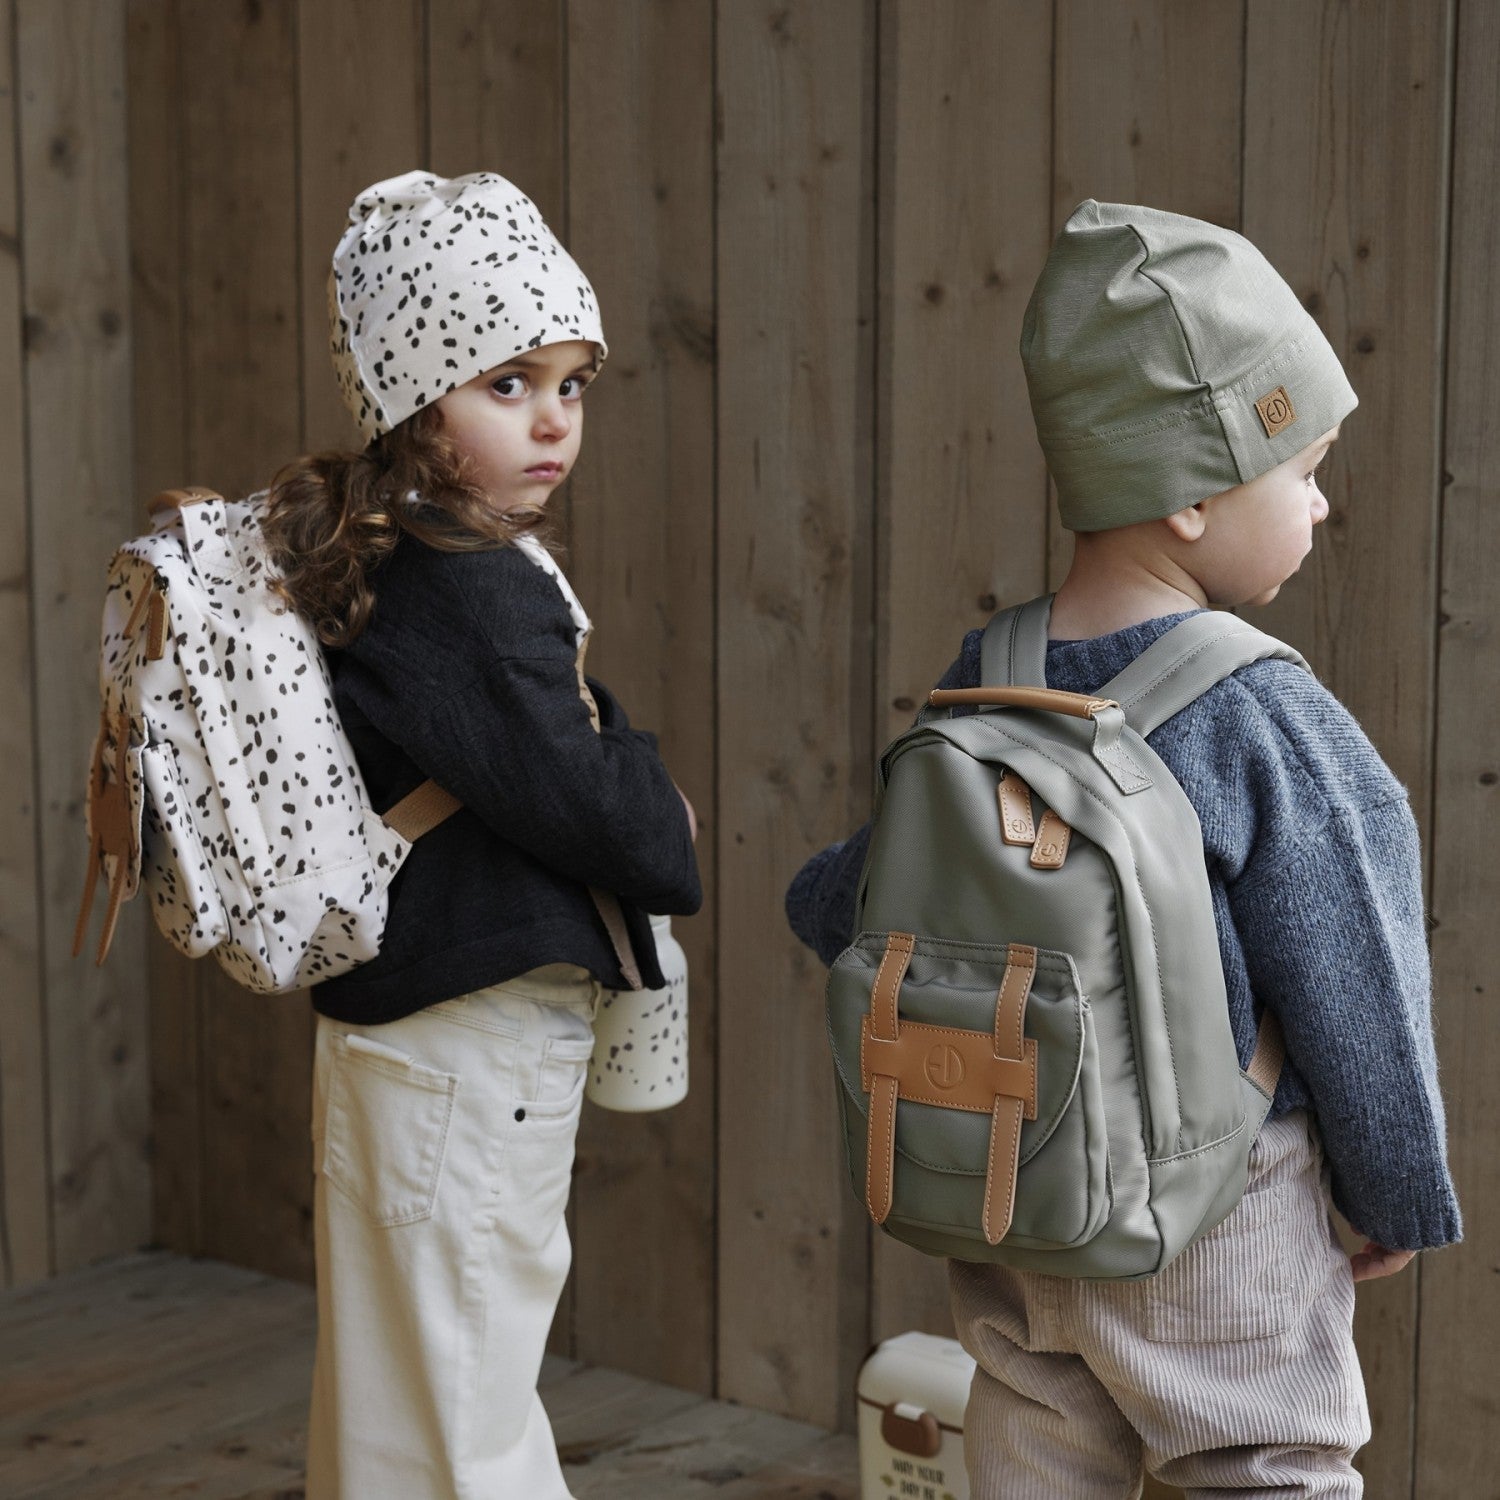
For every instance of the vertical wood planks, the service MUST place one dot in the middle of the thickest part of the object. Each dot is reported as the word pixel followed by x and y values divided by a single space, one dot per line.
pixel 344 57
pixel 1459 1329
pixel 74 250
pixel 1345 181
pixel 348 57
pixel 1345 193
pixel 640 215
pixel 244 422
pixel 153 61
pixel 496 90
pixel 828 526
pixel 497 101
pixel 961 524
pixel 794 173
pixel 25 1216
pixel 1148 106
pixel 1147 111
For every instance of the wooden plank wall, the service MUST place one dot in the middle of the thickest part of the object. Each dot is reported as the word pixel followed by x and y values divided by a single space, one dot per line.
pixel 74 1057
pixel 813 226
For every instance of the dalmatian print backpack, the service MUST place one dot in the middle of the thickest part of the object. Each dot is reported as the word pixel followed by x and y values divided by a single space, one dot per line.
pixel 222 779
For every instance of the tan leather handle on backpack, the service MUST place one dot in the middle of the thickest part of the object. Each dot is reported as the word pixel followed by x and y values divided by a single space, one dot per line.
pixel 1079 705
pixel 192 494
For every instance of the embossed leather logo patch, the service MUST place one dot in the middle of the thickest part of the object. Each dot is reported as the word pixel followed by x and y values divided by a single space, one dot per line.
pixel 944 1067
pixel 1276 411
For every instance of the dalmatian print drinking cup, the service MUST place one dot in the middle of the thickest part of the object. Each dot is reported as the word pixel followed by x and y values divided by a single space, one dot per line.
pixel 640 1057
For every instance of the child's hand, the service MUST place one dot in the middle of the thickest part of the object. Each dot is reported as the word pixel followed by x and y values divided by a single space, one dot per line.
pixel 692 816
pixel 1375 1260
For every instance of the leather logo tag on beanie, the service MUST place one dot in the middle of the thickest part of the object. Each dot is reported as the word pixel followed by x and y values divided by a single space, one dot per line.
pixel 1276 411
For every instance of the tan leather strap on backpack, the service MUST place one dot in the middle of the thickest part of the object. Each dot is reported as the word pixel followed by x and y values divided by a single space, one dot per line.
pixel 112 834
pixel 421 810
pixel 991 1073
pixel 606 903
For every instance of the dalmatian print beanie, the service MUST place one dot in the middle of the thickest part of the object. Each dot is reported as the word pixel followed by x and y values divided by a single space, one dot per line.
pixel 437 280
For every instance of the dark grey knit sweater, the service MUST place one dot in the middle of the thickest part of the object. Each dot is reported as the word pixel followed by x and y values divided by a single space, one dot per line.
pixel 1314 866
pixel 467 673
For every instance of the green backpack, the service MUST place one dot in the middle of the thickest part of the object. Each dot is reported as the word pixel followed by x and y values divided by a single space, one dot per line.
pixel 1032 1042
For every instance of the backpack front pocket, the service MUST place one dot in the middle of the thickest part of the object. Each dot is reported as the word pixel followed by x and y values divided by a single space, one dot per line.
pixel 941 1175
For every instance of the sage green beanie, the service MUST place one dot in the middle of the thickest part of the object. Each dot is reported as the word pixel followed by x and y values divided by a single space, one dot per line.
pixel 1167 361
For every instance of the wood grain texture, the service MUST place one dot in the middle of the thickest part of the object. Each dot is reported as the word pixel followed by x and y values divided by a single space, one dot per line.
pixel 789 511
pixel 25 1212
pixel 342 146
pixel 497 101
pixel 962 519
pixel 348 55
pixel 153 60
pixel 244 422
pixel 640 216
pixel 1148 110
pixel 75 253
pixel 1345 182
pixel 1460 1316
pixel 497 81
pixel 1345 192
pixel 1148 106
pixel 218 1409
pixel 795 165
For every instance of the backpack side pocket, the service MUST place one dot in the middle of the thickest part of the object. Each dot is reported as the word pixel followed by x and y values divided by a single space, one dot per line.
pixel 184 896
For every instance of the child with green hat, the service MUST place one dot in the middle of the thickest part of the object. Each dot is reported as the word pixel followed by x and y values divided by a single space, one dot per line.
pixel 1184 400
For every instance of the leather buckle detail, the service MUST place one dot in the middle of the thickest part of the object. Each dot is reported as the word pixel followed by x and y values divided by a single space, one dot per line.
pixel 987 1072
pixel 946 1065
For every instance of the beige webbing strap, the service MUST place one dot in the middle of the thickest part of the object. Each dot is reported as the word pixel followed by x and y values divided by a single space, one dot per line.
pixel 421 810
pixel 1270 1052
pixel 1007 1111
pixel 606 903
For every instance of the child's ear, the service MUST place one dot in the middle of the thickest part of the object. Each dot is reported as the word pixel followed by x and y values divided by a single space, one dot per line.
pixel 1188 524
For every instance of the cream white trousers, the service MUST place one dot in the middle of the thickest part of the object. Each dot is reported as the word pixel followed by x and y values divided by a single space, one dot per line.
pixel 1230 1374
pixel 443 1147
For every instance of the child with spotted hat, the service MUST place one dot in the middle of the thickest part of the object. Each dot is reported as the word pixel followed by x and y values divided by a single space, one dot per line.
pixel 449 1070
pixel 1185 401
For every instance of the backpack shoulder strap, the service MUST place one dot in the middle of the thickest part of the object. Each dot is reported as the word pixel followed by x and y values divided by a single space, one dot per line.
pixel 1188 660
pixel 1014 649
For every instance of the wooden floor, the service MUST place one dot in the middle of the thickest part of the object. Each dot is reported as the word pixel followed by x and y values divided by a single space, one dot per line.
pixel 157 1376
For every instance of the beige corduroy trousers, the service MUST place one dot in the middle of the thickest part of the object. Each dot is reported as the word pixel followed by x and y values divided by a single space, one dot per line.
pixel 443 1144
pixel 1232 1373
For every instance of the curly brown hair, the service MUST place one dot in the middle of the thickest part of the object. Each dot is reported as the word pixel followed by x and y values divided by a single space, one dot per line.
pixel 332 518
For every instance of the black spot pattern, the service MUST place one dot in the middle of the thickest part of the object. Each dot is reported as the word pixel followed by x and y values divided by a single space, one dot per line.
pixel 258 843
pixel 437 280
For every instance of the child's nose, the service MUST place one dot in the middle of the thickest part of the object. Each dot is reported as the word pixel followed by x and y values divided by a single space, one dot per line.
pixel 1319 506
pixel 551 419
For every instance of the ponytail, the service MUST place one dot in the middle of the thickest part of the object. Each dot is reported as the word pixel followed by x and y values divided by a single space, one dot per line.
pixel 332 518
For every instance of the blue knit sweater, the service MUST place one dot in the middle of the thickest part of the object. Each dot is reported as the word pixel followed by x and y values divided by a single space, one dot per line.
pixel 1314 865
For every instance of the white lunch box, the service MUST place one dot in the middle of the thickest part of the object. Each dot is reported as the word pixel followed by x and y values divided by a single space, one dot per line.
pixel 912 1393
